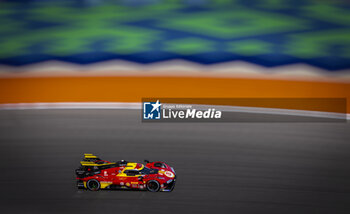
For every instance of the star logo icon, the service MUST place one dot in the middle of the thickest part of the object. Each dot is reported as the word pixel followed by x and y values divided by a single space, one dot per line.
pixel 152 110
pixel 156 106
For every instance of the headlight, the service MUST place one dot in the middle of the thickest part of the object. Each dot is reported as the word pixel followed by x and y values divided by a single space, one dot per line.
pixel 169 181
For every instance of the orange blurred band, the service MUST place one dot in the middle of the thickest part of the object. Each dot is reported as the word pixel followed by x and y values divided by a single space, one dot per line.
pixel 133 89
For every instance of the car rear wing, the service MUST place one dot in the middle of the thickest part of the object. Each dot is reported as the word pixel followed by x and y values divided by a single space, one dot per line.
pixel 93 160
pixel 90 157
pixel 89 160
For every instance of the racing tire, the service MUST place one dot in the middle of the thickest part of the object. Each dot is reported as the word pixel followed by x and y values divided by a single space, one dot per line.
pixel 93 185
pixel 153 186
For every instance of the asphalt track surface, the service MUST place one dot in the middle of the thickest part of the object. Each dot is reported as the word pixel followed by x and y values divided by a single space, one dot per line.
pixel 265 167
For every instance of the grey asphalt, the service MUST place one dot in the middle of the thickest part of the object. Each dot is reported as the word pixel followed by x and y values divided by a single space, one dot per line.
pixel 265 167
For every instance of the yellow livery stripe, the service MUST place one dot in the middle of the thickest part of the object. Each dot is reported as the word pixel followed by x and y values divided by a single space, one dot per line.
pixel 88 163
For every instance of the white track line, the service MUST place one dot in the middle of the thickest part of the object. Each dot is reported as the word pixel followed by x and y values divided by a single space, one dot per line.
pixel 70 105
pixel 125 105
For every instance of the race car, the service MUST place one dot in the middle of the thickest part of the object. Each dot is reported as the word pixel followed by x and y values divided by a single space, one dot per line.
pixel 95 174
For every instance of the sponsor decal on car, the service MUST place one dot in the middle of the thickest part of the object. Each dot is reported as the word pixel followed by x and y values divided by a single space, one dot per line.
pixel 169 174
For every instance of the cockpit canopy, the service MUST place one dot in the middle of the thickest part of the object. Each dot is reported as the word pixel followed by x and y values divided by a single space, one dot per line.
pixel 143 171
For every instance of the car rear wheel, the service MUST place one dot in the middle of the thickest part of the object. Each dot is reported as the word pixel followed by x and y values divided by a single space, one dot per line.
pixel 93 185
pixel 153 186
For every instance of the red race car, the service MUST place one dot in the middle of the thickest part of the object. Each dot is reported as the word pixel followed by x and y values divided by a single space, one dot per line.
pixel 95 174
